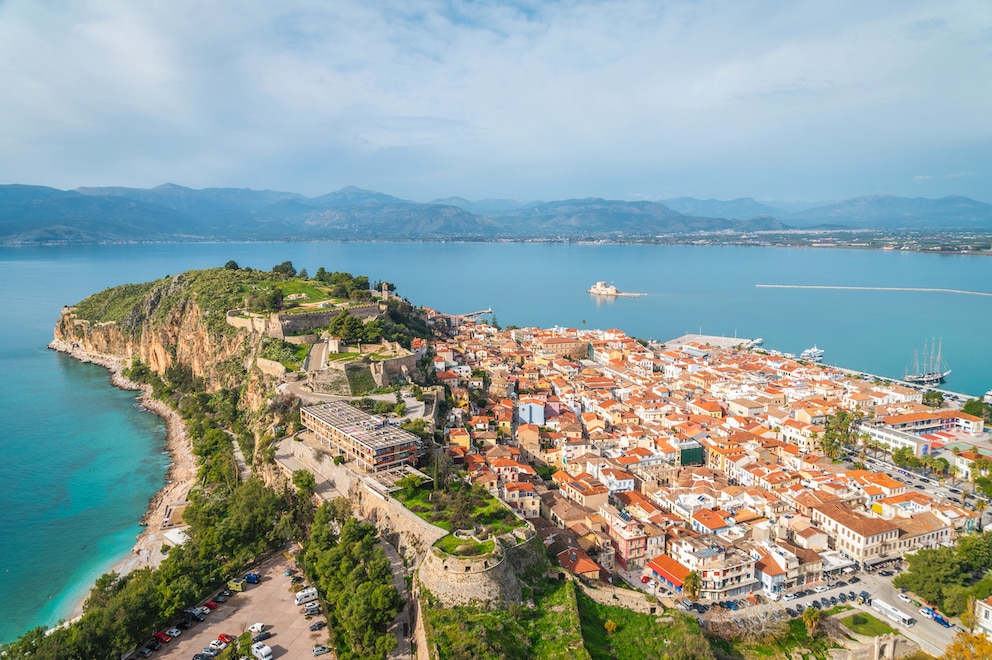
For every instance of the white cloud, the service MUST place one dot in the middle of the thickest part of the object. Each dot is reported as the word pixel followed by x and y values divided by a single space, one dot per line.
pixel 425 99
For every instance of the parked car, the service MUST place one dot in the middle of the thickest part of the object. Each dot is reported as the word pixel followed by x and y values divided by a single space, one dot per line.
pixel 790 596
pixel 842 597
pixel 942 621
pixel 203 656
pixel 218 644
pixel 904 598
pixel 253 578
pixel 173 632
pixel 210 605
pixel 819 588
pixel 154 645
pixel 165 638
pixel 816 604
pixel 186 624
pixel 213 653
pixel 145 652
pixel 220 598
pixel 256 627
pixel 226 593
pixel 824 602
pixel 320 650
pixel 853 579
pixel 927 612
pixel 317 625
pixel 851 596
pixel 224 637
pixel 261 637
pixel 886 573
pixel 833 600
pixel 645 579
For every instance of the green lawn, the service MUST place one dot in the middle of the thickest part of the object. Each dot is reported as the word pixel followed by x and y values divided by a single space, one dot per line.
pixel 465 547
pixel 865 624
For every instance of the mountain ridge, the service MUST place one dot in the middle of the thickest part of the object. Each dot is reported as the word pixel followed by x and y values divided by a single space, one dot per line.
pixel 171 212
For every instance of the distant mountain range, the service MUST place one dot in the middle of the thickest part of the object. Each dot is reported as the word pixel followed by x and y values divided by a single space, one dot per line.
pixel 38 215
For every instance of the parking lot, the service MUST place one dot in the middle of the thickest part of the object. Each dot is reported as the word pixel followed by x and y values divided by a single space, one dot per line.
pixel 269 602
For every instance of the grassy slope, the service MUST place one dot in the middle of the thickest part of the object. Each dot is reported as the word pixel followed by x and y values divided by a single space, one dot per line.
pixel 640 636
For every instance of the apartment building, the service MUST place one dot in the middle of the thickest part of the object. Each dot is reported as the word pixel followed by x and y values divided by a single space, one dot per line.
pixel 369 441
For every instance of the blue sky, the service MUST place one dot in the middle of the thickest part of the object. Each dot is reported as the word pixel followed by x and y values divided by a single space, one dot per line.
pixel 805 100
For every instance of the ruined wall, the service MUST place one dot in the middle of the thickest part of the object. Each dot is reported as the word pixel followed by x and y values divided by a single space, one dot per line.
pixel 385 372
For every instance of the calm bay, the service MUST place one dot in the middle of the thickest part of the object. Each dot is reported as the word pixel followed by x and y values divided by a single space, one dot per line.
pixel 81 461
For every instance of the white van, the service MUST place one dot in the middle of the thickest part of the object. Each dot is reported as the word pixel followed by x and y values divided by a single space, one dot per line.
pixel 306 596
pixel 261 651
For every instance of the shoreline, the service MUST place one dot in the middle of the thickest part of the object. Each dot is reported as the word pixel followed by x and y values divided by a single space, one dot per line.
pixel 179 478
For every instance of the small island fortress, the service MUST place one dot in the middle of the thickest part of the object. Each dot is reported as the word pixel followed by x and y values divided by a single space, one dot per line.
pixel 604 289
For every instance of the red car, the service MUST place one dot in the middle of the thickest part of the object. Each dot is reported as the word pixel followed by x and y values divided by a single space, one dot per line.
pixel 162 637
pixel 210 605
pixel 644 579
pixel 224 637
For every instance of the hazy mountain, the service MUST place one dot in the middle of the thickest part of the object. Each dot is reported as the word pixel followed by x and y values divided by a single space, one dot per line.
pixel 890 212
pixel 743 208
pixel 490 207
pixel 352 196
pixel 36 214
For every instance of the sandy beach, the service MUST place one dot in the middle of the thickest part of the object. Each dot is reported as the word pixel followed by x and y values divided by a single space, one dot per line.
pixel 180 477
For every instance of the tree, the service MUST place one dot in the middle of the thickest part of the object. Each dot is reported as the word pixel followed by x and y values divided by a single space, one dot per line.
pixel 303 274
pixel 811 619
pixel 231 265
pixel 285 268
pixel 692 585
pixel 967 646
pixel 305 482
pixel 610 626
pixel 931 572
pixel 933 398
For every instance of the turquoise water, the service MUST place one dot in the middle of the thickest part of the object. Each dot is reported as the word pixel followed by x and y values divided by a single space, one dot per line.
pixel 81 462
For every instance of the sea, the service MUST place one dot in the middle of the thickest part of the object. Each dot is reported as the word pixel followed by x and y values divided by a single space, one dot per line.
pixel 81 459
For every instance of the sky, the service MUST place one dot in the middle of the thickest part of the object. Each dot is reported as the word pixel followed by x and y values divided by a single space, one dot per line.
pixel 781 101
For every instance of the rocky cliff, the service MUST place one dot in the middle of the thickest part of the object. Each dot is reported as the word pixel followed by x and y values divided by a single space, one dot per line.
pixel 173 324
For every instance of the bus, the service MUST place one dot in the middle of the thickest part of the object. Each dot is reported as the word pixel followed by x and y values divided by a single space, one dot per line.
pixel 892 612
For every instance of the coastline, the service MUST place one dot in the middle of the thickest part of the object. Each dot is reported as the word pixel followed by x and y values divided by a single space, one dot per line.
pixel 179 478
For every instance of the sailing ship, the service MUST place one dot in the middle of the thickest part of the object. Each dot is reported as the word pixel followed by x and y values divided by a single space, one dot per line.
pixel 815 354
pixel 932 371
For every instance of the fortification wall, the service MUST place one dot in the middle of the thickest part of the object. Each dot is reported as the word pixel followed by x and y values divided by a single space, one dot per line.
pixel 301 339
pixel 284 325
pixel 257 324
pixel 414 533
pixel 486 581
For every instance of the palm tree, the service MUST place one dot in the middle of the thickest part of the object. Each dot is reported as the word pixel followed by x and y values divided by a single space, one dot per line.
pixel 811 618
pixel 692 585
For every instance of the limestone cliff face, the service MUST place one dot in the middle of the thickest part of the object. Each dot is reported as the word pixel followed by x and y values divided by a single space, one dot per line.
pixel 161 341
